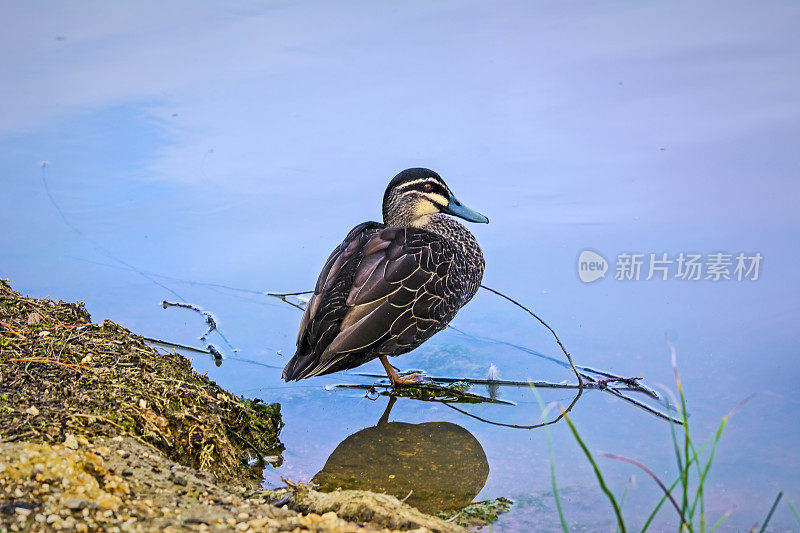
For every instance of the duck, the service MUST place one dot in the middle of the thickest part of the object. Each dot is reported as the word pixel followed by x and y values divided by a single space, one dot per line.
pixel 390 286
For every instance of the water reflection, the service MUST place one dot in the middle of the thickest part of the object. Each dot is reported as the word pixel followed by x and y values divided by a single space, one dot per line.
pixel 437 466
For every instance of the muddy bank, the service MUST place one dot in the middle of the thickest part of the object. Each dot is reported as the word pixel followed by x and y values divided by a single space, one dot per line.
pixel 99 431
pixel 63 374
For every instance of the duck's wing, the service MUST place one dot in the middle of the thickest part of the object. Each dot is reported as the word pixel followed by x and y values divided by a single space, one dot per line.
pixel 383 291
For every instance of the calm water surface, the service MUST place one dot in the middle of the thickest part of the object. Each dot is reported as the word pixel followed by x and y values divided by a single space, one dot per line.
pixel 211 153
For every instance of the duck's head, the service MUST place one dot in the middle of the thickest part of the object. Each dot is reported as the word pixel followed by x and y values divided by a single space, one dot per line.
pixel 416 193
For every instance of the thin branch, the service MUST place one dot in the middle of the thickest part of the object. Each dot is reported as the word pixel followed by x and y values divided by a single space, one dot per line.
pixel 175 345
pixel 284 299
pixel 641 405
pixel 283 294
pixel 447 394
pixel 210 321
pixel 600 384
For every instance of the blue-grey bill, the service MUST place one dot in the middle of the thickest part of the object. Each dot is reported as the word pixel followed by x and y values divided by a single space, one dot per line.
pixel 457 209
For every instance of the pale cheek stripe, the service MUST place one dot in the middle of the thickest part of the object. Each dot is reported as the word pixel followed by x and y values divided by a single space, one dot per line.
pixel 431 197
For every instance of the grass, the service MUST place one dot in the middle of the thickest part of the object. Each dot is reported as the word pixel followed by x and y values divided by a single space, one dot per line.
pixel 686 494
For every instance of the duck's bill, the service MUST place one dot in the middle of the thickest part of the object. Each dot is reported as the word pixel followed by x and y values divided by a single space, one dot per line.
pixel 457 209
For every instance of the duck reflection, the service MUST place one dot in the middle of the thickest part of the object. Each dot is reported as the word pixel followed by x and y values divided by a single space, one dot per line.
pixel 437 466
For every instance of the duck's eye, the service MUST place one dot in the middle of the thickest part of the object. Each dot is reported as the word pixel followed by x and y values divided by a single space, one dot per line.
pixel 427 187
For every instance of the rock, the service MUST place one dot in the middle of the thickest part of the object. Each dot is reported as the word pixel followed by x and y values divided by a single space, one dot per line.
pixel 32 410
pixel 103 451
pixel 71 442
pixel 178 479
pixel 73 504
pixel 107 501
pixel 34 319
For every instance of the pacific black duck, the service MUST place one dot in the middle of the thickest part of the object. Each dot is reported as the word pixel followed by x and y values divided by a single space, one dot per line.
pixel 390 287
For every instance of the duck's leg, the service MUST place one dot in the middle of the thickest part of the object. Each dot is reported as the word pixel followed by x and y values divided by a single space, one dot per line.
pixel 394 377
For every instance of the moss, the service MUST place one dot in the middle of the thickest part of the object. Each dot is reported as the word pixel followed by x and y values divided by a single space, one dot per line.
pixel 479 513
pixel 61 374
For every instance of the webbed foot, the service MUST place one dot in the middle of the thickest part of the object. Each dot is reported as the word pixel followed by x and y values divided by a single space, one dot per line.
pixel 408 381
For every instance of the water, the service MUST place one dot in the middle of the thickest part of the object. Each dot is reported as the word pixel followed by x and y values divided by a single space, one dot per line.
pixel 236 145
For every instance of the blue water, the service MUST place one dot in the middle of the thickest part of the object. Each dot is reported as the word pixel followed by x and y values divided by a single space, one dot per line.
pixel 147 152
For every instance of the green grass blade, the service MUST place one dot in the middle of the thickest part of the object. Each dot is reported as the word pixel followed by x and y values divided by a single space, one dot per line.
pixel 552 462
pixel 695 459
pixel 717 436
pixel 720 521
pixel 624 493
pixel 704 473
pixel 686 442
pixel 597 471
pixel 674 409
pixel 794 511
pixel 684 461
pixel 771 511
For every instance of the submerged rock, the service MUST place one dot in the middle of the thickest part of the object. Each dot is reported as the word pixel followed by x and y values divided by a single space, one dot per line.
pixel 434 466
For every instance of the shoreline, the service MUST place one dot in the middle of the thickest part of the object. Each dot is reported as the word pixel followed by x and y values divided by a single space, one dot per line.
pixel 99 431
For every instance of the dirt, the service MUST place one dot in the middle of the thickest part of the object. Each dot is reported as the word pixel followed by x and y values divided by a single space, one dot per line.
pixel 101 432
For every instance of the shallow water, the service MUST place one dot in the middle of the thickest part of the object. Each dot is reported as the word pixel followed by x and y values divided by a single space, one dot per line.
pixel 210 154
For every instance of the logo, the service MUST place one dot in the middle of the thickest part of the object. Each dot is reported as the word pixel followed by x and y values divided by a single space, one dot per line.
pixel 591 266
pixel 663 266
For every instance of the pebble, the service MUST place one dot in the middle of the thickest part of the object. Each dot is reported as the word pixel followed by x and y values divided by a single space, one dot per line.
pixel 103 451
pixel 106 501
pixel 32 410
pixel 178 479
pixel 76 504
pixel 71 442
pixel 34 319
pixel 53 518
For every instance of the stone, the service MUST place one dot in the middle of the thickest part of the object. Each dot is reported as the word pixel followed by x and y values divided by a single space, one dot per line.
pixel 74 504
pixel 71 442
